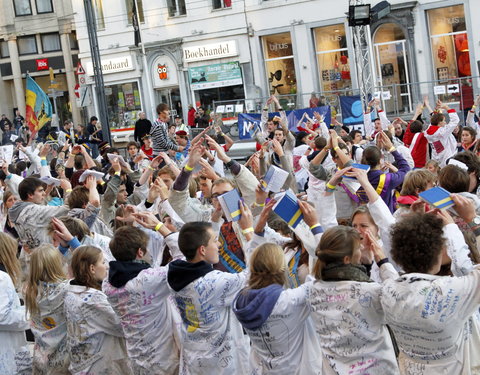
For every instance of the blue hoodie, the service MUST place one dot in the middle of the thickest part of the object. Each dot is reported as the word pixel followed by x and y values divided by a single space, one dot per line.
pixel 254 306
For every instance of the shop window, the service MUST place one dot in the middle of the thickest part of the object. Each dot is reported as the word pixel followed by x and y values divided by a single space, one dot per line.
pixel 22 7
pixel 98 10
pixel 280 64
pixel 220 4
pixel 449 42
pixel 176 8
pixel 332 58
pixel 123 104
pixel 50 42
pixel 27 45
pixel 4 52
pixel 44 6
pixel 129 5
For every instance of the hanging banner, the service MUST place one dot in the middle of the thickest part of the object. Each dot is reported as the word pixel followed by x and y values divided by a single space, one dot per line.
pixel 352 111
pixel 249 123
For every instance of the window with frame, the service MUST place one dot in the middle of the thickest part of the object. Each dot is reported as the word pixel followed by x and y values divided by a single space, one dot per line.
pixel 176 8
pixel 22 7
pixel 27 45
pixel 50 42
pixel 44 6
pixel 449 42
pixel 98 10
pixel 73 40
pixel 221 4
pixel 332 58
pixel 280 63
pixel 4 52
pixel 129 4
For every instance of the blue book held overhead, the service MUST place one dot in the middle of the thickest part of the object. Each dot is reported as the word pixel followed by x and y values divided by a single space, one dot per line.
pixel 288 209
pixel 365 167
pixel 230 202
pixel 437 197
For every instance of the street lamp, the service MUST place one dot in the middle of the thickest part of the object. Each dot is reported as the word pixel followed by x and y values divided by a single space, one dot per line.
pixel 359 15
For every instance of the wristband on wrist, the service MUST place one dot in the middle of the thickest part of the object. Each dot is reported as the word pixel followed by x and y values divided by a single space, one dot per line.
pixel 255 204
pixel 247 230
pixel 117 173
pixel 474 106
pixel 68 191
pixel 330 186
pixel 392 149
pixel 314 226
pixel 43 158
pixel 188 168
pixel 382 261
pixel 151 168
pixel 336 148
pixel 158 226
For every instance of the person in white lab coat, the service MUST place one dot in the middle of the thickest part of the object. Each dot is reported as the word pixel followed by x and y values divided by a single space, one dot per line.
pixel 346 308
pixel 14 354
pixel 431 316
pixel 44 294
pixel 277 320
pixel 212 340
pixel 95 338
pixel 139 294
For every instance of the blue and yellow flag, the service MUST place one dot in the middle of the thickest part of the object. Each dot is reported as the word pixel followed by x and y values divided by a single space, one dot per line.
pixel 38 106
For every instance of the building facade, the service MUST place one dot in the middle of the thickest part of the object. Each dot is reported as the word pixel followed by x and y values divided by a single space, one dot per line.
pixel 198 52
pixel 36 35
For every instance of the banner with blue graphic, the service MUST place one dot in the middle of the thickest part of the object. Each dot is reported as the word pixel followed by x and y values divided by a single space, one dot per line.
pixel 352 111
pixel 249 123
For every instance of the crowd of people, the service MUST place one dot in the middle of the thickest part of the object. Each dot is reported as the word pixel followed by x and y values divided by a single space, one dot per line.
pixel 132 264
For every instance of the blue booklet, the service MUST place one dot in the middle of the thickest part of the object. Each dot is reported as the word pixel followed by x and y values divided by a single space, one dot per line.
pixel 437 197
pixel 230 203
pixel 288 209
pixel 274 179
pixel 365 167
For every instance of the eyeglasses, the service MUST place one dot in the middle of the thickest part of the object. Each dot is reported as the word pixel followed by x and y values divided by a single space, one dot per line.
pixel 216 195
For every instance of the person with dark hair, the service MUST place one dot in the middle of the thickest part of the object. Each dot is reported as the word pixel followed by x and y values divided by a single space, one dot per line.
pixel 210 333
pixel 432 317
pixel 91 319
pixel 439 134
pixel 453 179
pixel 379 124
pixel 159 132
pixel 66 134
pixel 472 162
pixel 3 121
pixel 415 140
pixel 30 216
pixel 469 140
pixel 202 120
pixel 148 327
pixel 143 127
pixel 357 149
pixel 384 183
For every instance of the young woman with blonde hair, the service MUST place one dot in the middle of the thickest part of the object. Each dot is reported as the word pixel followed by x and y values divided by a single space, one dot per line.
pixel 13 321
pixel 95 337
pixel 277 319
pixel 44 294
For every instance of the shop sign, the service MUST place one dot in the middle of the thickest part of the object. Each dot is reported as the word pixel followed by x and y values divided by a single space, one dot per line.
pixel 210 51
pixel 164 72
pixel 42 64
pixel 215 75
pixel 114 65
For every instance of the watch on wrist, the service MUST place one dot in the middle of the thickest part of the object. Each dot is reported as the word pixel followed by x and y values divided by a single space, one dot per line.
pixel 475 225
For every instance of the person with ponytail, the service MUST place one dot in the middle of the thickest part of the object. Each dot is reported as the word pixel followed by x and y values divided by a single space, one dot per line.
pixel 95 337
pixel 277 319
pixel 44 293
pixel 14 354
pixel 345 304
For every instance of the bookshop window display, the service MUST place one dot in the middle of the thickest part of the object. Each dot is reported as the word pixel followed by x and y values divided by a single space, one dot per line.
pixel 280 63
pixel 449 41
pixel 123 104
pixel 332 58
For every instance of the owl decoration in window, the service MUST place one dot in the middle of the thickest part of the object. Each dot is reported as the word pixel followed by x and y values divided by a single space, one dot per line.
pixel 162 71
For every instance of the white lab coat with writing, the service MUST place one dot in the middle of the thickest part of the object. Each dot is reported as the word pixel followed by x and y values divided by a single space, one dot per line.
pixel 95 337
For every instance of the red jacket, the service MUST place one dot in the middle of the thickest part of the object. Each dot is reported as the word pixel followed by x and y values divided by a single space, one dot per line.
pixel 420 149
pixel 191 116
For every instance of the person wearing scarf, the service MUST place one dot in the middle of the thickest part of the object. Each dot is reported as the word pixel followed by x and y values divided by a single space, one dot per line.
pixel 346 307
